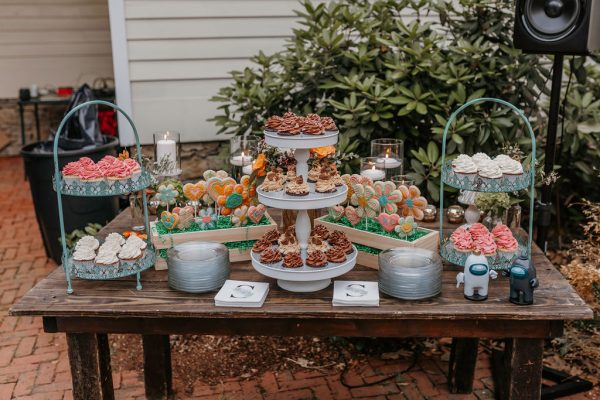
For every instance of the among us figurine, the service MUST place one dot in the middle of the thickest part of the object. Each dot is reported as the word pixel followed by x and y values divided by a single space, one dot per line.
pixel 476 277
pixel 522 281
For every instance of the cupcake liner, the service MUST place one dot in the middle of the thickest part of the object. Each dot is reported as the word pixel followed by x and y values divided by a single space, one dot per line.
pixel 470 178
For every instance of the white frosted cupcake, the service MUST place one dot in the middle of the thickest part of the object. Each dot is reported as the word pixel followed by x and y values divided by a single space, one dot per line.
pixel 83 258
pixel 465 168
pixel 136 241
pixel 110 247
pixel 89 242
pixel 500 158
pixel 116 238
pixel 511 169
pixel 461 158
pixel 480 158
pixel 108 262
pixel 129 255
pixel 490 170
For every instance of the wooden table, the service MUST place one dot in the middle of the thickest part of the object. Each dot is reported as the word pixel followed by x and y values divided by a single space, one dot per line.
pixel 101 307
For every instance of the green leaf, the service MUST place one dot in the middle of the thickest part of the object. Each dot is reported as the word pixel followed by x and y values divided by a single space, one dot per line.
pixel 432 152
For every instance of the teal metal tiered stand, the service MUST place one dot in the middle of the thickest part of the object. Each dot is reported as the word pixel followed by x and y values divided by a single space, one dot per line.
pixel 505 184
pixel 95 189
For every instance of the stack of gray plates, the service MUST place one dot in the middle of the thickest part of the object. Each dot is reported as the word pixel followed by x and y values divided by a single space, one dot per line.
pixel 198 267
pixel 410 273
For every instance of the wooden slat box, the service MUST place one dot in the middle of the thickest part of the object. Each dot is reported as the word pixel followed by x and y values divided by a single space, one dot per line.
pixel 381 242
pixel 253 232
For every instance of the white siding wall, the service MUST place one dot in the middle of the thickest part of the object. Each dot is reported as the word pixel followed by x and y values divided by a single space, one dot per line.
pixel 49 42
pixel 180 53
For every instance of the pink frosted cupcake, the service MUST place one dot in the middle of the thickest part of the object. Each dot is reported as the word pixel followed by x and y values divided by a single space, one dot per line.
pixel 478 230
pixel 134 168
pixel 118 172
pixel 486 244
pixel 462 240
pixel 90 173
pixel 70 172
pixel 506 242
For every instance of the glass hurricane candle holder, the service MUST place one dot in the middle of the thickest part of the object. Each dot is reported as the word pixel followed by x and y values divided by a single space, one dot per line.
pixel 406 180
pixel 242 153
pixel 167 153
pixel 389 154
pixel 371 169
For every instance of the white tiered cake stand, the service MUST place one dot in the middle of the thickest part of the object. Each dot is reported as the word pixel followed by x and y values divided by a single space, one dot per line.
pixel 304 279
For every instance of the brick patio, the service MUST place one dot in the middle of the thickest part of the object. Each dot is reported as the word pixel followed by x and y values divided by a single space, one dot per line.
pixel 34 365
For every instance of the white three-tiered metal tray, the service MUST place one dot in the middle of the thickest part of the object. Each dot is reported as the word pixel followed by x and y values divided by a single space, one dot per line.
pixel 304 279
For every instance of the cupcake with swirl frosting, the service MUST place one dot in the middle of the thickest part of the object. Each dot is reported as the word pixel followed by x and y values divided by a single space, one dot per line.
pixel 293 260
pixel 316 259
pixel 465 168
pixel 489 170
pixel 511 169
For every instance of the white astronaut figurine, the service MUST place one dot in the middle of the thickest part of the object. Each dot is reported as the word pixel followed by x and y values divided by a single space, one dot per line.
pixel 476 277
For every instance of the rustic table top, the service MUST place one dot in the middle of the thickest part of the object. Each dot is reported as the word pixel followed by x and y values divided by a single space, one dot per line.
pixel 555 299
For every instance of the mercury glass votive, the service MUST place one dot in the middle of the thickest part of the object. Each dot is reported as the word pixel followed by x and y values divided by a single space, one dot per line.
pixel 455 214
pixel 371 169
pixel 429 213
pixel 389 154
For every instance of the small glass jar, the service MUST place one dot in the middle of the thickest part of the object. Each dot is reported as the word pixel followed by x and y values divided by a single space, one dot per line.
pixel 167 153
pixel 242 152
pixel 371 169
pixel 389 154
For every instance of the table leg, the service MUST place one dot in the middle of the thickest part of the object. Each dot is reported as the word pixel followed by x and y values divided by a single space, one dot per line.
pixel 37 121
pixel 157 366
pixel 89 356
pixel 518 371
pixel 461 368
pixel 22 120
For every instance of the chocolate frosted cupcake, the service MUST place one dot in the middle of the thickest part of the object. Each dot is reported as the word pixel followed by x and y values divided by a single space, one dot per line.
pixel 271 236
pixel 313 127
pixel 293 260
pixel 270 256
pixel 316 259
pixel 344 244
pixel 336 255
pixel 316 243
pixel 329 124
pixel 273 123
pixel 289 127
pixel 335 235
pixel 261 245
pixel 321 231
pixel 297 187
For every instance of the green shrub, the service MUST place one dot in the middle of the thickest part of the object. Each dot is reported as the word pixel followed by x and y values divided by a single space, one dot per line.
pixel 382 74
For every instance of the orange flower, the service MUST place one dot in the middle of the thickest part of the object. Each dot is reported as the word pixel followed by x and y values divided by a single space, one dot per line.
pixel 259 165
pixel 123 155
pixel 322 152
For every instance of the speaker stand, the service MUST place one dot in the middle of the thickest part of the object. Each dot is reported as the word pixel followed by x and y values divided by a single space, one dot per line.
pixel 545 205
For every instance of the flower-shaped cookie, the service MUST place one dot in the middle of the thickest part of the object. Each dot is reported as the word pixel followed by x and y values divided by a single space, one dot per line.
pixel 249 187
pixel 387 196
pixel 365 200
pixel 406 226
pixel 207 219
pixel 232 198
pixel 351 180
pixel 412 202
pixel 166 195
pixel 240 216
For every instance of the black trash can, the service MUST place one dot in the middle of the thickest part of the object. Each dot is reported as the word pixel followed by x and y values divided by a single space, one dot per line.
pixel 78 211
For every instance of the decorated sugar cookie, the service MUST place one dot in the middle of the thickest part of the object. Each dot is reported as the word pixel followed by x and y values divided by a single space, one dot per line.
pixel 207 219
pixel 387 195
pixel 166 195
pixel 388 221
pixel 169 220
pixel 194 191
pixel 233 197
pixel 336 212
pixel 240 216
pixel 352 215
pixel 216 186
pixel 256 213
pixel 365 201
pixel 406 226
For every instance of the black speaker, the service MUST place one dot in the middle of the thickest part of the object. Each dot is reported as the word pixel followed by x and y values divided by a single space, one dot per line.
pixel 557 26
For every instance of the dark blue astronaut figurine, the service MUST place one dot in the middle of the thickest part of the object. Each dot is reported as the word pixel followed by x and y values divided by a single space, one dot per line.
pixel 522 281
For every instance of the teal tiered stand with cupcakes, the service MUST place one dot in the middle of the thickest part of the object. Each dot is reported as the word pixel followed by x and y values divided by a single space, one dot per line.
pixel 102 188
pixel 526 180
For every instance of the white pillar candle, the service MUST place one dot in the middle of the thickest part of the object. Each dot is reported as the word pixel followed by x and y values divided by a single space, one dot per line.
pixel 374 174
pixel 388 162
pixel 166 148
pixel 241 160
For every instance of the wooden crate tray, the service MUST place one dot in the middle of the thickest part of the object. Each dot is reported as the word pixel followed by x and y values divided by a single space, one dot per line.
pixel 430 241
pixel 253 232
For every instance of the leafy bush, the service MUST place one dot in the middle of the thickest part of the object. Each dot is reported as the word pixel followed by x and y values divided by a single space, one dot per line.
pixel 382 73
